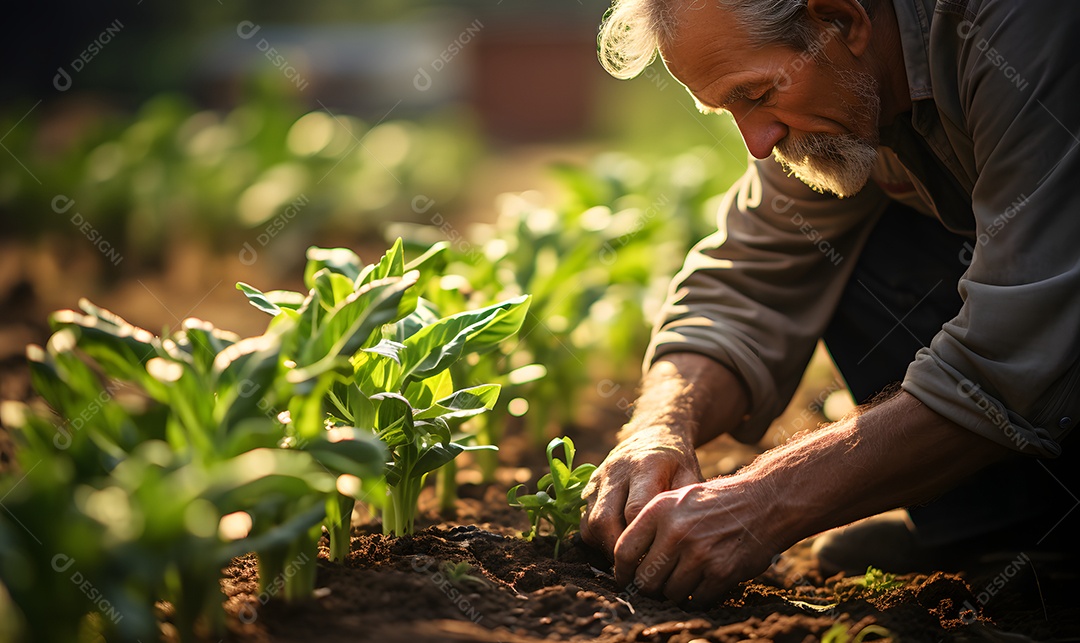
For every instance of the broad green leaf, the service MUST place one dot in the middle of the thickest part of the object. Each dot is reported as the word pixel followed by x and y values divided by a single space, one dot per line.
pixel 119 347
pixel 340 260
pixel 351 324
pixel 423 393
pixel 560 472
pixel 437 346
pixel 307 411
pixel 258 299
pixel 433 430
pixel 392 263
pixel 430 264
pixel 506 323
pixel 361 409
pixel 333 288
pixel 374 372
pixel 286 299
pixel 251 433
pixel 433 458
pixel 391 409
pixel 387 348
pixel 463 404
pixel 424 315
pixel 203 342
pixel 360 455
pixel 249 365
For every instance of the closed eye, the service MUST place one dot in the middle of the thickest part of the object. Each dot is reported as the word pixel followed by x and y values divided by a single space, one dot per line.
pixel 754 94
pixel 763 97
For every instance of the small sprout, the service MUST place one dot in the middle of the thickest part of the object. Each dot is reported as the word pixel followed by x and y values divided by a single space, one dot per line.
pixel 461 573
pixel 878 582
pixel 557 500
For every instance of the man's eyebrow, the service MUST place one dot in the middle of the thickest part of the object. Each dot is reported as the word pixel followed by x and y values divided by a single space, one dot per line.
pixel 739 92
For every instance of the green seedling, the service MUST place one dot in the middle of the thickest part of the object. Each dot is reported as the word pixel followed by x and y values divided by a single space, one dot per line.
pixel 878 582
pixel 558 500
pixel 461 573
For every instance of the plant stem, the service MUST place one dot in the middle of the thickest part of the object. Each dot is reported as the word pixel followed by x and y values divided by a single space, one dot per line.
pixel 339 524
pixel 446 486
pixel 301 565
pixel 490 432
pixel 400 515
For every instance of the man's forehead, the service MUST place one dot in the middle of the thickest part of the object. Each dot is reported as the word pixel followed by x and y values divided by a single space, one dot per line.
pixel 704 37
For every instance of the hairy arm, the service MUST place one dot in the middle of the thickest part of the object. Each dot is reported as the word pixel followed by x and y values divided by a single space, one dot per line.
pixel 690 395
pixel 686 401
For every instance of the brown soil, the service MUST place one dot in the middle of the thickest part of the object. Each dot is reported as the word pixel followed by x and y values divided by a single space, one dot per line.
pixel 400 590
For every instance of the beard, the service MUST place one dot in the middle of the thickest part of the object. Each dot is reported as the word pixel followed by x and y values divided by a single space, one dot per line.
pixel 838 163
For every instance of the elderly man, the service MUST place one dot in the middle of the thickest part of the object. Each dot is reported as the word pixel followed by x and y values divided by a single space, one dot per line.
pixel 920 214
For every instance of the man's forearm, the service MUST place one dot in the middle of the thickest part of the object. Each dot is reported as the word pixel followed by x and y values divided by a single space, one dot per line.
pixel 895 454
pixel 692 395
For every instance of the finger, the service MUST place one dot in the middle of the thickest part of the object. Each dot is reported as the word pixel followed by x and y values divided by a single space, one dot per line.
pixel 602 523
pixel 710 590
pixel 682 581
pixel 642 490
pixel 655 569
pixel 632 546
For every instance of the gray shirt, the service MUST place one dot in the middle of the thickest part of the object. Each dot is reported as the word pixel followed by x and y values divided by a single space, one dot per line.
pixel 992 151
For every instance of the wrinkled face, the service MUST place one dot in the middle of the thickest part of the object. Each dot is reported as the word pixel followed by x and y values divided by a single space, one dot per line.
pixel 816 112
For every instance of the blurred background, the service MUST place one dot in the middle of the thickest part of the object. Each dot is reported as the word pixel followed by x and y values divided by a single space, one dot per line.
pixel 153 154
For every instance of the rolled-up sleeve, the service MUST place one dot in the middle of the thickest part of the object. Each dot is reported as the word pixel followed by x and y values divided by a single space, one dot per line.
pixel 757 294
pixel 1008 366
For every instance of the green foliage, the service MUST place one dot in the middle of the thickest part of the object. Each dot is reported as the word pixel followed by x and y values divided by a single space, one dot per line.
pixel 557 500
pixel 162 458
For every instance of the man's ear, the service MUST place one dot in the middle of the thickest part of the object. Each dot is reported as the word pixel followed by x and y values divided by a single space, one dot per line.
pixel 847 19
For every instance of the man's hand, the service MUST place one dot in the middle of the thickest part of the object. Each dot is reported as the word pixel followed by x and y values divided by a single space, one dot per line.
pixel 700 540
pixel 643 465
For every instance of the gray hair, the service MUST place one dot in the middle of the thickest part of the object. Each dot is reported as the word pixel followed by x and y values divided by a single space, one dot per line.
pixel 633 30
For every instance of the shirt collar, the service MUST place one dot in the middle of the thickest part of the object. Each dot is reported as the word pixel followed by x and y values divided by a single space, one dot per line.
pixel 913 17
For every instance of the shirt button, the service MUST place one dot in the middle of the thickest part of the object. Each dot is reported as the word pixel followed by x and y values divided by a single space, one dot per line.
pixel 1065 422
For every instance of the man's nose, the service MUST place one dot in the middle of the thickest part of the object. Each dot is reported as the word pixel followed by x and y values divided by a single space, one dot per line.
pixel 760 131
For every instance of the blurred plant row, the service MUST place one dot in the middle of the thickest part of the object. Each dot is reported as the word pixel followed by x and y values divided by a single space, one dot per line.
pixel 159 460
pixel 264 168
